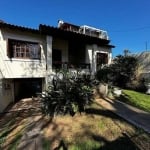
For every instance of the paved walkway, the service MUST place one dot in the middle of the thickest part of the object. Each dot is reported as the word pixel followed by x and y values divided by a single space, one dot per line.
pixel 135 116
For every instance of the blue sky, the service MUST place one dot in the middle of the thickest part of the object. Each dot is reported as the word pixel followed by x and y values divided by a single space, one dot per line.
pixel 127 21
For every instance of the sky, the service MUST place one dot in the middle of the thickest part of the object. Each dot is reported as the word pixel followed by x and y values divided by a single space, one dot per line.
pixel 126 21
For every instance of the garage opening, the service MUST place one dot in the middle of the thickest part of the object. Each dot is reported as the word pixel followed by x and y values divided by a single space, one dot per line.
pixel 26 88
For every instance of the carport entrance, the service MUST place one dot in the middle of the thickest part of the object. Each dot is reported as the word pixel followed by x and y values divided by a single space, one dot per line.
pixel 28 87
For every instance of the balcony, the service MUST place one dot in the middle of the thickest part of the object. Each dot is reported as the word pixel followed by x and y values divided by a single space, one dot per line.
pixel 91 31
pixel 86 30
pixel 70 66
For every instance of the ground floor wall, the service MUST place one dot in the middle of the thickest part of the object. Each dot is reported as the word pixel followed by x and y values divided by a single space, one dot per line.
pixel 12 90
pixel 6 93
pixel 28 87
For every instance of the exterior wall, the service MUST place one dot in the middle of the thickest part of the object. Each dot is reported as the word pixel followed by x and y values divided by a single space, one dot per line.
pixel 21 68
pixel 6 93
pixel 91 52
pixel 1 96
pixel 6 86
pixel 1 93
pixel 11 69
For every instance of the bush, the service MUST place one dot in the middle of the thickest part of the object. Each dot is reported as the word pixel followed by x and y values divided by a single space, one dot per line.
pixel 120 73
pixel 103 75
pixel 137 85
pixel 67 94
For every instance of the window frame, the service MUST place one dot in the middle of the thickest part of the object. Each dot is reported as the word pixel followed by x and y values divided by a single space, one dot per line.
pixel 24 49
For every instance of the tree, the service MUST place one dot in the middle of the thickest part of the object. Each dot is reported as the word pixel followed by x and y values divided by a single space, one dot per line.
pixel 121 72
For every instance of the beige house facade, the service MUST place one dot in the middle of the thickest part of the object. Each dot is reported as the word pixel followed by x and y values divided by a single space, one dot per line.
pixel 28 57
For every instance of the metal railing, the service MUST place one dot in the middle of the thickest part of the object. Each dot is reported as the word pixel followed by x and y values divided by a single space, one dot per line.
pixel 69 65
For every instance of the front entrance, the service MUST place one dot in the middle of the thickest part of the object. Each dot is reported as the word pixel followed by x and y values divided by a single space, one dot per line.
pixel 26 88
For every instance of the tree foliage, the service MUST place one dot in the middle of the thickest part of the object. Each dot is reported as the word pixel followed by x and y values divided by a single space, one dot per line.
pixel 121 72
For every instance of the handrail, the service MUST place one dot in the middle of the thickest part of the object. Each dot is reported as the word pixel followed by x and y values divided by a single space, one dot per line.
pixel 70 65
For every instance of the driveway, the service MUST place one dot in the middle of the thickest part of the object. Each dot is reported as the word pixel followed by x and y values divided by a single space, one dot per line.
pixel 133 115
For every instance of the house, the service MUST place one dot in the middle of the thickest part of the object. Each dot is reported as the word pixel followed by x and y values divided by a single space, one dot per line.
pixel 28 57
pixel 144 60
pixel 22 63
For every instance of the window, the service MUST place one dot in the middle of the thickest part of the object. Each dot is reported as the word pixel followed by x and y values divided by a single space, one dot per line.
pixel 23 49
pixel 102 58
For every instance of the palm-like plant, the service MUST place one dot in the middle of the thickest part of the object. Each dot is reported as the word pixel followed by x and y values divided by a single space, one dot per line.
pixel 68 93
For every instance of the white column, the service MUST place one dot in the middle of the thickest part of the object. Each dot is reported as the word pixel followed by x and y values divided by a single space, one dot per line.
pixel 49 53
pixel 48 59
pixel 91 57
pixel 109 57
pixel 94 49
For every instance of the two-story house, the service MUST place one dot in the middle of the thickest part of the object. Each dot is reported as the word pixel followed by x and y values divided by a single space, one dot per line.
pixel 29 56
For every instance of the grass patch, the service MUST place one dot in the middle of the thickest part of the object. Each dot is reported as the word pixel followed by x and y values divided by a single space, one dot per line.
pixel 88 145
pixel 95 129
pixel 46 144
pixel 98 129
pixel 136 99
pixel 15 142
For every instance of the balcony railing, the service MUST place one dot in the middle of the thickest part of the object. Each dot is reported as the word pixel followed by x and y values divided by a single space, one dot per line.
pixel 69 65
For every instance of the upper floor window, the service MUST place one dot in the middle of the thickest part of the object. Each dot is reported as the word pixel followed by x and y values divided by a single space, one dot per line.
pixel 102 58
pixel 23 49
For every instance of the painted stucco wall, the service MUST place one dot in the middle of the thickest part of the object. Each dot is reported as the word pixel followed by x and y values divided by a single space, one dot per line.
pixel 0 86
pixel 1 96
pixel 6 93
pixel 21 68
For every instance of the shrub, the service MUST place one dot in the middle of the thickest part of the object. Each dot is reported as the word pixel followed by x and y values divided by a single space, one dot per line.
pixel 121 72
pixel 137 85
pixel 67 94
pixel 103 75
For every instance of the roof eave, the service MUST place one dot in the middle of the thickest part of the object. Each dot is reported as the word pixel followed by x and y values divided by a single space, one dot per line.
pixel 53 31
pixel 20 28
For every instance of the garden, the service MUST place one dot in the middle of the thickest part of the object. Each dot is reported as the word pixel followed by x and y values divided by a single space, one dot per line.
pixel 126 82
pixel 95 129
pixel 67 117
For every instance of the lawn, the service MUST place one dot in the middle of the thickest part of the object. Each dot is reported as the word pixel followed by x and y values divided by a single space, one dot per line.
pixel 96 129
pixel 137 99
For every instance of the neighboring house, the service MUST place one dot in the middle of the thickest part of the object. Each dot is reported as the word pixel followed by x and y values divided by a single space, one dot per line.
pixel 28 57
pixel 144 61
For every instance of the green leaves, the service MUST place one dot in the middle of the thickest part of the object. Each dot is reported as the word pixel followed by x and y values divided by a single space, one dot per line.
pixel 120 72
pixel 68 94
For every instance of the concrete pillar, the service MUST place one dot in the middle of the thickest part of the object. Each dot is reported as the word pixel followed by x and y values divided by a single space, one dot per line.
pixel 48 59
pixel 49 53
pixel 94 49
pixel 109 57
pixel 91 57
